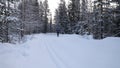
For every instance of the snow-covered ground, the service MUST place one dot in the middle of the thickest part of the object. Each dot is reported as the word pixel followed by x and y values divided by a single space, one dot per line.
pixel 66 51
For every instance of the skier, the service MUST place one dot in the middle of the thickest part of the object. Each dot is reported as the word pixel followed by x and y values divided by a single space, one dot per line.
pixel 58 31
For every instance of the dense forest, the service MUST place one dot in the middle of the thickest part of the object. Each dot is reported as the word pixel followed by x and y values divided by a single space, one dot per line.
pixel 100 18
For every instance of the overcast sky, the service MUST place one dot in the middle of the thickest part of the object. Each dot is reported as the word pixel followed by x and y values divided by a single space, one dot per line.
pixel 53 4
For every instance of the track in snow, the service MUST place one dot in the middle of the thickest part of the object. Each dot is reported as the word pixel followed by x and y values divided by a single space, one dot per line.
pixel 66 51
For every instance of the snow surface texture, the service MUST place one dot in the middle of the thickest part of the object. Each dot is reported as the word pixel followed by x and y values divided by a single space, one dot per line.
pixel 66 51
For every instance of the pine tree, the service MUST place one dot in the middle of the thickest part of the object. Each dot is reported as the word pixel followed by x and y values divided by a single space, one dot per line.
pixel 8 19
pixel 30 15
pixel 15 24
pixel 41 15
pixel 45 17
pixel 63 17
pixel 73 13
pixel 57 19
pixel 102 19
pixel 50 25
pixel 82 25
pixel 2 19
pixel 116 30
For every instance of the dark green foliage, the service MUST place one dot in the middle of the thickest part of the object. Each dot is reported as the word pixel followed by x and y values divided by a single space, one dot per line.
pixel 73 14
pixel 63 17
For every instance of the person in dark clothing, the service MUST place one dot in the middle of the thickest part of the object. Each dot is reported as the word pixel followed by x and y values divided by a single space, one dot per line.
pixel 58 31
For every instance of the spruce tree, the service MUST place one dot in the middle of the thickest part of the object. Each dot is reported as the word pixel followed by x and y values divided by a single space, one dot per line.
pixel 103 17
pixel 45 17
pixel 30 16
pixel 9 29
pixel 63 17
pixel 73 13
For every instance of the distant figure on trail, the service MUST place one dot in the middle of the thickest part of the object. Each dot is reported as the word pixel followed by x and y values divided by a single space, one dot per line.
pixel 58 31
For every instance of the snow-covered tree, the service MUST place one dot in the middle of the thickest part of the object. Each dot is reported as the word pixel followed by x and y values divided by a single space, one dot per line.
pixel 56 18
pixel 3 37
pixel 73 13
pixel 63 17
pixel 30 16
pixel 45 16
pixel 82 25
pixel 116 30
pixel 103 19
pixel 9 26
pixel 41 15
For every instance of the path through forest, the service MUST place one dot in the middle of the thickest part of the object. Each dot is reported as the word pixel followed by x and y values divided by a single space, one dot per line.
pixel 66 51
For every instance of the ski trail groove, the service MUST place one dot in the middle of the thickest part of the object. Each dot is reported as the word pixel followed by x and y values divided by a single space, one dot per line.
pixel 61 61
pixel 54 57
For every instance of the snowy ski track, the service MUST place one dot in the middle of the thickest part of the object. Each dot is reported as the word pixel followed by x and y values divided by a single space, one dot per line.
pixel 66 51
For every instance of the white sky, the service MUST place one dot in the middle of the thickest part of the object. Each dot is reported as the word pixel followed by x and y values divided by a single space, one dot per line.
pixel 53 4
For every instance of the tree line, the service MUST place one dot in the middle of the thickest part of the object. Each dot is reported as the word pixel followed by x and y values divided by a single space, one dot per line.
pixel 100 18
pixel 22 17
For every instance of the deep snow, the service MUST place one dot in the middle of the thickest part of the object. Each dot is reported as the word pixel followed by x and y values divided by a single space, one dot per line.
pixel 66 51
